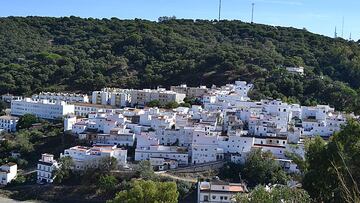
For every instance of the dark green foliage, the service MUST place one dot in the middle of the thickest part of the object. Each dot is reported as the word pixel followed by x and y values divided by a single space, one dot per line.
pixel 145 171
pixel 332 172
pixel 183 188
pixel 2 107
pixel 154 103
pixel 107 183
pixel 146 191
pixel 171 105
pixel 278 193
pixel 259 168
pixel 26 121
pixel 64 172
pixel 74 54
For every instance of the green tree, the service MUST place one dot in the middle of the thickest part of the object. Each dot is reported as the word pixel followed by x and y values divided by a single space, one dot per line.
pixel 2 106
pixel 144 170
pixel 278 193
pixel 154 103
pixel 261 168
pixel 26 121
pixel 64 171
pixel 332 168
pixel 147 191
pixel 107 183
pixel 171 105
pixel 108 164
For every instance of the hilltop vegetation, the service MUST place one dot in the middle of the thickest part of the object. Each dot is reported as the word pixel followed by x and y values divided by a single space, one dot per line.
pixel 75 54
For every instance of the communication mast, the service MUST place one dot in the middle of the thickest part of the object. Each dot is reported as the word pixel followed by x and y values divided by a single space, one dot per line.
pixel 335 34
pixel 252 12
pixel 219 10
pixel 342 27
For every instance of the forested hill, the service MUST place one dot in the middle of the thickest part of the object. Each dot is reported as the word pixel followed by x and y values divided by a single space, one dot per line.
pixel 75 54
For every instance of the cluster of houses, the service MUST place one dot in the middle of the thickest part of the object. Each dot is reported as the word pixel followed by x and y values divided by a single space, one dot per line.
pixel 227 126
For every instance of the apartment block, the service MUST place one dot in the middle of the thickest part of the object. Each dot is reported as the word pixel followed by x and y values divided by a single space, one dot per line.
pixel 45 109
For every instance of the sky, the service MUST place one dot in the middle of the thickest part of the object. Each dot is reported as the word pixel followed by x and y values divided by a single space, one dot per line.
pixel 318 16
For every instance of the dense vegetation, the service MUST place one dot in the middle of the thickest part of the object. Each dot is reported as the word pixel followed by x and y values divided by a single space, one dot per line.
pixel 41 53
pixel 279 193
pixel 259 168
pixel 331 171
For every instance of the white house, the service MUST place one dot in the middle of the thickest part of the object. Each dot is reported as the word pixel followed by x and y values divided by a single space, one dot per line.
pixel 9 97
pixel 117 136
pixel 8 123
pixel 8 173
pixel 84 109
pixel 91 157
pixel 148 147
pixel 180 154
pixel 69 121
pixel 60 96
pixel 205 146
pixel 218 191
pixel 295 70
pixel 160 163
pixel 45 109
pixel 46 168
pixel 191 92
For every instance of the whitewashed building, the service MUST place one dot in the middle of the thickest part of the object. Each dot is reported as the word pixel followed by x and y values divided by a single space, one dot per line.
pixel 84 109
pixel 46 168
pixel 8 173
pixel 45 109
pixel 8 123
pixel 218 191
pixel 295 70
pixel 91 157
pixel 60 96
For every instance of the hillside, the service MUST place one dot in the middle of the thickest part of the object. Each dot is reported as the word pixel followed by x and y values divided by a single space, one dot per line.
pixel 75 54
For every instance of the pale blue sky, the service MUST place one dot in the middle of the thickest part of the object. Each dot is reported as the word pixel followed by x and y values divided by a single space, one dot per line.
pixel 319 16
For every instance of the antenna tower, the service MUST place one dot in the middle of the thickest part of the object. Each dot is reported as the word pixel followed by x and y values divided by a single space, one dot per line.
pixel 219 10
pixel 342 27
pixel 252 12
pixel 335 34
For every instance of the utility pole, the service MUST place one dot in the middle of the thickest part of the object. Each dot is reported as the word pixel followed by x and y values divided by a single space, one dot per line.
pixel 219 10
pixel 252 13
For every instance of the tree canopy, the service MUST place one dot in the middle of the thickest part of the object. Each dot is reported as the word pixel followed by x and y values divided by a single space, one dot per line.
pixel 76 54
pixel 278 193
pixel 259 168
pixel 147 191
pixel 26 121
pixel 332 171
